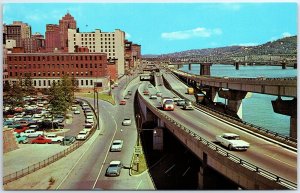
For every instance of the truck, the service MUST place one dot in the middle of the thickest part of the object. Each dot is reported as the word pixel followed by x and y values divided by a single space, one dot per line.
pixel 232 141
pixel 167 104
pixel 190 90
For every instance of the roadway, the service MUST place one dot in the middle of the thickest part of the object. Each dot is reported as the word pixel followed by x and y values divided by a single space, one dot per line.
pixel 262 153
pixel 89 172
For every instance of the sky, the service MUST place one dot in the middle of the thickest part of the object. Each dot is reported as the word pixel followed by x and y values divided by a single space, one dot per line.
pixel 162 28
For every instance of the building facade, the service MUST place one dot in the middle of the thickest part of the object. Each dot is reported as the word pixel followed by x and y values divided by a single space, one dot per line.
pixel 110 43
pixel 17 31
pixel 66 22
pixel 52 40
pixel 34 44
pixel 46 68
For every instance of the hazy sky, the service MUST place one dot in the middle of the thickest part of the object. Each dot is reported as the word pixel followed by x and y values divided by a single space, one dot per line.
pixel 168 27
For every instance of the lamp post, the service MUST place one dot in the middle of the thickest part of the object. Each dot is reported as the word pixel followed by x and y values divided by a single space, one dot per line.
pixel 138 116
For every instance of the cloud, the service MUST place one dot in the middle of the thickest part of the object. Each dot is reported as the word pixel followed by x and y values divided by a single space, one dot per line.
pixel 193 33
pixel 286 34
pixel 127 35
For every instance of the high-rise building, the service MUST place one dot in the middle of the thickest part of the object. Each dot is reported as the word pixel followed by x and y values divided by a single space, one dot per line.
pixel 52 40
pixel 67 22
pixel 25 29
pixel 111 43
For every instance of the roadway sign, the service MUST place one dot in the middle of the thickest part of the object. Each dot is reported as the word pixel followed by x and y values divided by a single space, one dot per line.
pixel 137 150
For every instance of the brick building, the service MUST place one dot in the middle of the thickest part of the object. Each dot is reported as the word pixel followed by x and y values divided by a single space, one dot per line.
pixel 36 43
pixel 52 40
pixel 17 31
pixel 67 22
pixel 132 54
pixel 45 68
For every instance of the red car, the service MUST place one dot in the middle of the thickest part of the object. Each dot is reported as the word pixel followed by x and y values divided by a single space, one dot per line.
pixel 20 129
pixel 41 140
pixel 146 92
pixel 122 102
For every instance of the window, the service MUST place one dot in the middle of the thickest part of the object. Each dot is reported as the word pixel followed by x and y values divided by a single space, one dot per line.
pixel 40 83
pixel 49 83
pixel 86 82
pixel 34 82
pixel 76 65
pixel 81 82
pixel 44 83
pixel 86 65
pixel 91 73
pixel 91 82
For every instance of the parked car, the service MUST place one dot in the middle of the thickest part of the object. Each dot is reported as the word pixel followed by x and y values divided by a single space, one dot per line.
pixel 146 92
pixel 232 141
pixel 88 127
pixel 116 145
pixel 31 133
pixel 126 122
pixel 21 139
pixel 126 97
pixel 41 140
pixel 153 96
pixel 188 105
pixel 91 121
pixel 20 129
pixel 68 140
pixel 82 135
pixel 54 137
pixel 59 118
pixel 122 102
pixel 114 168
pixel 129 92
pixel 74 108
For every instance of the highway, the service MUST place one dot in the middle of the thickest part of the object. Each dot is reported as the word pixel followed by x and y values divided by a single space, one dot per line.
pixel 89 171
pixel 262 153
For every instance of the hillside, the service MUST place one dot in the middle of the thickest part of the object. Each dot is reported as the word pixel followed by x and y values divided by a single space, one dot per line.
pixel 287 45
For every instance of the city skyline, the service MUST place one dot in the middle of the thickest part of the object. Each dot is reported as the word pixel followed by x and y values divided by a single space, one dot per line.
pixel 169 27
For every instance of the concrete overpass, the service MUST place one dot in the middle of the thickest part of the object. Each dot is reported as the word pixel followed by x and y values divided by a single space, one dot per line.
pixel 253 169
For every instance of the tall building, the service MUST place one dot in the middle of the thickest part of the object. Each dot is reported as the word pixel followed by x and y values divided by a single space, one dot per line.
pixel 67 22
pixel 17 31
pixel 52 40
pixel 25 29
pixel 111 43
pixel 46 68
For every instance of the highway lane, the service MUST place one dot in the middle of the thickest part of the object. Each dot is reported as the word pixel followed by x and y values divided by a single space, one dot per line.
pixel 262 153
pixel 89 172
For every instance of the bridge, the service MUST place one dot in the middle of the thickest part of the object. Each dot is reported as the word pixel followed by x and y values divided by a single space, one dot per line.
pixel 267 164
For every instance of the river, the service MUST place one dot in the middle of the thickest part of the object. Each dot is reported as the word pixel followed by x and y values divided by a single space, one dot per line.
pixel 257 109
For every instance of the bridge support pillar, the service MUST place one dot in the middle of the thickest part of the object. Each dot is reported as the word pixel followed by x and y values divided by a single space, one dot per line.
pixel 283 65
pixel 234 100
pixel 295 65
pixel 213 91
pixel 158 139
pixel 202 172
pixel 205 68
pixel 190 67
pixel 289 108
pixel 237 65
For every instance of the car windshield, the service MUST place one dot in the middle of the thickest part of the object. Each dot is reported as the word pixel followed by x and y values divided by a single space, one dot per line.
pixel 116 143
pixel 169 102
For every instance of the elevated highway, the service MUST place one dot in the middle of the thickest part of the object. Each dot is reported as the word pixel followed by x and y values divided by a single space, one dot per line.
pixel 265 165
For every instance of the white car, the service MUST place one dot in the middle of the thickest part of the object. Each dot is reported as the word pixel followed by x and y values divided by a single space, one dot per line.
pixel 77 112
pixel 232 141
pixel 89 121
pixel 126 122
pixel 31 133
pixel 54 137
pixel 116 145
pixel 82 135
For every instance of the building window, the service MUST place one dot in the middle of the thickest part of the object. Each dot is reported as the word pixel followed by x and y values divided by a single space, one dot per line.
pixel 34 83
pixel 49 83
pixel 86 65
pixel 91 82
pixel 76 65
pixel 40 83
pixel 44 83
pixel 91 73
pixel 81 82
pixel 86 82
pixel 16 73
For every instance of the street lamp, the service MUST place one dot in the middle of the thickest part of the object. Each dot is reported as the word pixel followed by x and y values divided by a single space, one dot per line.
pixel 138 117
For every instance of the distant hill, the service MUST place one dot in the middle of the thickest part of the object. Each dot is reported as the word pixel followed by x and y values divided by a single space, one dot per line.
pixel 287 45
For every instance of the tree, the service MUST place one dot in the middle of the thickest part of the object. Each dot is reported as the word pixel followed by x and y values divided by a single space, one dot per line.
pixel 27 85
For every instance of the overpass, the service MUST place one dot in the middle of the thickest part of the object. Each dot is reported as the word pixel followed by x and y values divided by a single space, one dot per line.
pixel 236 89
pixel 265 165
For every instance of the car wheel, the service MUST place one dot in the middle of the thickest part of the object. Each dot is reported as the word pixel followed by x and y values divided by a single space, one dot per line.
pixel 59 141
pixel 230 147
pixel 23 142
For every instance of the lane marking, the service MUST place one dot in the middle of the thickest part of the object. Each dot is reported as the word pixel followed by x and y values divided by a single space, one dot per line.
pixel 139 185
pixel 186 171
pixel 170 168
pixel 281 161
pixel 104 161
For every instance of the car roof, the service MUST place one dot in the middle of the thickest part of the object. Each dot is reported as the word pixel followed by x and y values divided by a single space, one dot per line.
pixel 115 162
pixel 230 134
pixel 118 141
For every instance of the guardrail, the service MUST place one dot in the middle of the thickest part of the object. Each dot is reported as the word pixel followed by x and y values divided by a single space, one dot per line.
pixel 274 135
pixel 30 169
pixel 284 182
